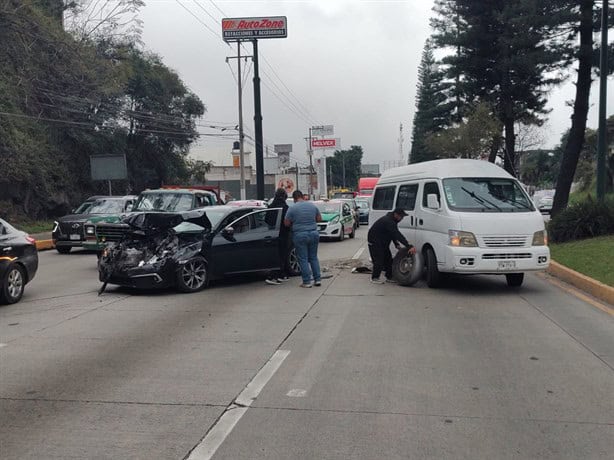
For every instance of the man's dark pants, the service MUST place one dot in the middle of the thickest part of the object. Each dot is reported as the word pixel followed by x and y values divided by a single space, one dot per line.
pixel 382 260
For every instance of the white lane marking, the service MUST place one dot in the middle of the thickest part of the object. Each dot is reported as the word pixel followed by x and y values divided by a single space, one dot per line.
pixel 220 431
pixel 358 253
pixel 3 345
pixel 297 393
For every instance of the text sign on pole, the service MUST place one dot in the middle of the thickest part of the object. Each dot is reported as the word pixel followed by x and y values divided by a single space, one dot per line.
pixel 322 144
pixel 283 148
pixel 108 167
pixel 322 130
pixel 236 29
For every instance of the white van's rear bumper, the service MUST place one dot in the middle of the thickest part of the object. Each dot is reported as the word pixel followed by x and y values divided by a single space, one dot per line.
pixel 500 260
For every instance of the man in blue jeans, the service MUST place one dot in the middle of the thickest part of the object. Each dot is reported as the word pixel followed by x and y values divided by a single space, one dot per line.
pixel 303 217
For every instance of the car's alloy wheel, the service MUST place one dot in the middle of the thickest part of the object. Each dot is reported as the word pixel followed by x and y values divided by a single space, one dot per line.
pixel 13 285
pixel 295 268
pixel 192 275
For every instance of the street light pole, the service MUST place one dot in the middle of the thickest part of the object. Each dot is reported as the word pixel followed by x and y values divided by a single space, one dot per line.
pixel 603 92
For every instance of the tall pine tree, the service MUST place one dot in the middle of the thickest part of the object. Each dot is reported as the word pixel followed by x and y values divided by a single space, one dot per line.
pixel 432 110
pixel 505 54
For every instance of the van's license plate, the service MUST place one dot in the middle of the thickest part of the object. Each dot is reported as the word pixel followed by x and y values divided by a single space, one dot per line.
pixel 506 265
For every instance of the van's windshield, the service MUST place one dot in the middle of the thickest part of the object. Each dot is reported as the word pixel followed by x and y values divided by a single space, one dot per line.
pixel 479 194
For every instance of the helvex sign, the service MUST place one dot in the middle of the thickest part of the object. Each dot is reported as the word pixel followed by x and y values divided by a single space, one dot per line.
pixel 325 143
pixel 250 28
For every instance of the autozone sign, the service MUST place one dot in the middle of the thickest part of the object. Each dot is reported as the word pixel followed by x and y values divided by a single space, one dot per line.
pixel 325 143
pixel 234 29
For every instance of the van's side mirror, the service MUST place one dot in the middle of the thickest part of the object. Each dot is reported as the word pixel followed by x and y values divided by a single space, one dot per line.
pixel 431 201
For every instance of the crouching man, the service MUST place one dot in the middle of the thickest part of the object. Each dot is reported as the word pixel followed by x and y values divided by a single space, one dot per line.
pixel 384 231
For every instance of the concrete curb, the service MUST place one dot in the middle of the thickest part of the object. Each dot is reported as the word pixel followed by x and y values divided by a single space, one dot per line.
pixel 593 287
pixel 43 245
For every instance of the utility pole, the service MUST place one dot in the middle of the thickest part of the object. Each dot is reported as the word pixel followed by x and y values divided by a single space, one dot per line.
pixel 401 140
pixel 603 92
pixel 343 167
pixel 241 135
pixel 258 127
pixel 310 153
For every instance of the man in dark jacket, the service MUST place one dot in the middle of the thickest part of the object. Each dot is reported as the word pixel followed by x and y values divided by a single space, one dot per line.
pixel 285 243
pixel 381 234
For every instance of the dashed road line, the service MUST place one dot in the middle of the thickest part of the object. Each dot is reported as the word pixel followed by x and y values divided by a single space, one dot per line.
pixel 233 413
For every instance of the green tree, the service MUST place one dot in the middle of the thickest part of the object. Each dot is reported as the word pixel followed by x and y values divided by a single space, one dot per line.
pixel 472 138
pixel 345 164
pixel 432 109
pixel 506 54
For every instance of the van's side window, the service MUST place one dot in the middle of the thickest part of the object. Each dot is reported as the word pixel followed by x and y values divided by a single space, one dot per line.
pixel 383 198
pixel 406 198
pixel 430 188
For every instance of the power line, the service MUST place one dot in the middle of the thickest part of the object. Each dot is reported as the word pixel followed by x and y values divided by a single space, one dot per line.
pixel 198 19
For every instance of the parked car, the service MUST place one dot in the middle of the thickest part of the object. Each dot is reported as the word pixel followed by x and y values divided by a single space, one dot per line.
pixel 68 231
pixel 465 217
pixel 545 204
pixel 355 210
pixel 171 199
pixel 363 210
pixel 187 250
pixel 18 262
pixel 337 219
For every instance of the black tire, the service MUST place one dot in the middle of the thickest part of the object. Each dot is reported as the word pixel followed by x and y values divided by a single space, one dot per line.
pixel 192 276
pixel 514 279
pixel 407 268
pixel 353 234
pixel 341 233
pixel 13 284
pixel 433 277
pixel 295 268
pixel 63 249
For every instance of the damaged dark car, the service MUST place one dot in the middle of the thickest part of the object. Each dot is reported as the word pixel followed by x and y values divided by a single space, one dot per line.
pixel 188 250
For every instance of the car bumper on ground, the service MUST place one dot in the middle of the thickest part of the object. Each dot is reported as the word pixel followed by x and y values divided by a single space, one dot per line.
pixel 64 241
pixel 497 261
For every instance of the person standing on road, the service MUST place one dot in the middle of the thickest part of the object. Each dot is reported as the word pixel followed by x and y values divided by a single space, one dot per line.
pixel 381 234
pixel 303 217
pixel 285 243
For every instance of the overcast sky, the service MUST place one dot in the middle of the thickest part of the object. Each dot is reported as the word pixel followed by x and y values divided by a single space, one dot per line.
pixel 349 63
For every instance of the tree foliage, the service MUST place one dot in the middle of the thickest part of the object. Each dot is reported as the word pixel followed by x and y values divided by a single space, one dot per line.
pixel 62 100
pixel 432 108
pixel 472 138
pixel 348 161
pixel 505 54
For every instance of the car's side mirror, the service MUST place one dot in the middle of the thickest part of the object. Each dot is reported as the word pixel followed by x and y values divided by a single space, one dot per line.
pixel 228 231
pixel 432 202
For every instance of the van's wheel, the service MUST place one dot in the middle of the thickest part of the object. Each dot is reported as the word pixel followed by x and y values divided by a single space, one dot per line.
pixel 353 234
pixel 13 285
pixel 63 249
pixel 192 276
pixel 514 279
pixel 407 268
pixel 433 277
pixel 295 267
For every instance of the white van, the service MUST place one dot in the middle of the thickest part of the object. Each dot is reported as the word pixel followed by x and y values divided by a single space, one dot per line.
pixel 465 216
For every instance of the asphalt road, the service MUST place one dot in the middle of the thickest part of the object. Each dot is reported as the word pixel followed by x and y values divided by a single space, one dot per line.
pixel 349 370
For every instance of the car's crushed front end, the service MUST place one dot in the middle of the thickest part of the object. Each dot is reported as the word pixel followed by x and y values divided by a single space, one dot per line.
pixel 151 253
